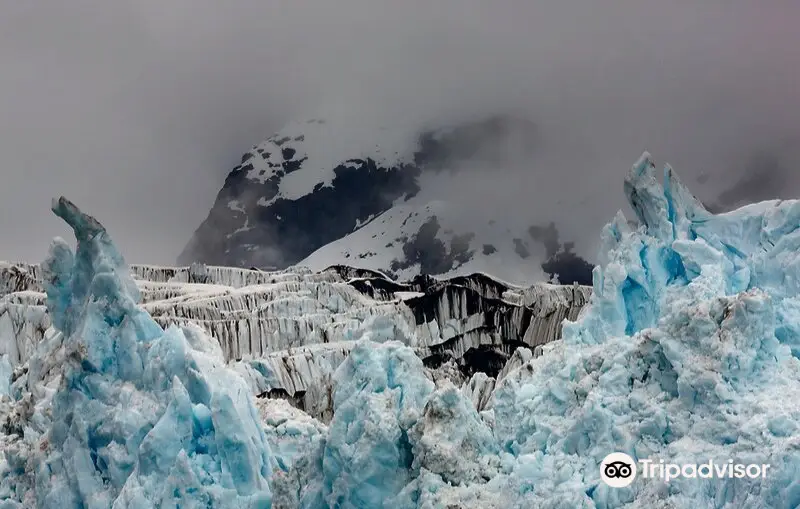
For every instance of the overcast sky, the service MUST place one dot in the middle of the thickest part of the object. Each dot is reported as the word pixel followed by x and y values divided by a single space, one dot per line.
pixel 137 109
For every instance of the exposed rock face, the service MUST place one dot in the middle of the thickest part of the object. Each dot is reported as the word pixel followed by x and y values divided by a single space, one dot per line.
pixel 287 331
pixel 284 232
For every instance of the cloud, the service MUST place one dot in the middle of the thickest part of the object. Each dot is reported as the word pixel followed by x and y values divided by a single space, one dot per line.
pixel 137 109
pixel 766 175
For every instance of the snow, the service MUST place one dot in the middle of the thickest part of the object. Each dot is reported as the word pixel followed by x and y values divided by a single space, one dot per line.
pixel 379 242
pixel 687 353
pixel 408 295
pixel 324 146
pixel 237 206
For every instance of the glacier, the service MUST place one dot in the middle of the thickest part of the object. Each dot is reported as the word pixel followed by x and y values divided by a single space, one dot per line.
pixel 298 326
pixel 688 351
pixel 685 354
pixel 142 416
pixel 5 375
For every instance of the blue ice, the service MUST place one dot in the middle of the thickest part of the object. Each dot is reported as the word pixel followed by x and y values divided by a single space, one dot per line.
pixel 144 417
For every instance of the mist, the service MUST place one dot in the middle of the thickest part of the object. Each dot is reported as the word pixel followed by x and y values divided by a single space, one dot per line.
pixel 136 110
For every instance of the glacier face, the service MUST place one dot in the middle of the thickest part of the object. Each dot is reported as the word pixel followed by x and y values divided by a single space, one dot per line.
pixel 6 370
pixel 684 355
pixel 298 326
pixel 687 353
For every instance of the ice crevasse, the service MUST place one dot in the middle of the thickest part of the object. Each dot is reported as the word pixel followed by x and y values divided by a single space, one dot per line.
pixel 688 352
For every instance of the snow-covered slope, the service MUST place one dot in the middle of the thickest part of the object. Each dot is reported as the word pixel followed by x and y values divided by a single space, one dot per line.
pixel 415 238
pixel 321 193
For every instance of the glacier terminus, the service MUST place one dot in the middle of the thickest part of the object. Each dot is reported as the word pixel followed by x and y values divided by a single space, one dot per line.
pixel 138 387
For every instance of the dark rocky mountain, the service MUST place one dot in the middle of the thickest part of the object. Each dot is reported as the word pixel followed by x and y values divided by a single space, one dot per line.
pixel 289 197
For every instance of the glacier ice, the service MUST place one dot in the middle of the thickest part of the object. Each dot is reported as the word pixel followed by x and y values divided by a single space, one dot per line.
pixel 299 326
pixel 684 355
pixel 254 314
pixel 5 376
pixel 142 417
pixel 688 352
pixel 377 398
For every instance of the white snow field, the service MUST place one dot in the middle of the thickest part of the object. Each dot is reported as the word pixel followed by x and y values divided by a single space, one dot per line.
pixel 686 353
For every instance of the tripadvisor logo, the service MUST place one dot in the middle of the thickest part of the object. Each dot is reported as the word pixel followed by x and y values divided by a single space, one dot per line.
pixel 619 470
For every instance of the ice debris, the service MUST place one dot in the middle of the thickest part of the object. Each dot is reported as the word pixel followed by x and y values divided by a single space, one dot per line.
pixel 143 417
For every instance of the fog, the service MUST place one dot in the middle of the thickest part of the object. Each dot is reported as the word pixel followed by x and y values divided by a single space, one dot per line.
pixel 137 109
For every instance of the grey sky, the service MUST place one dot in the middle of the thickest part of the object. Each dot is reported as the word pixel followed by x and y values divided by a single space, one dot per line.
pixel 137 109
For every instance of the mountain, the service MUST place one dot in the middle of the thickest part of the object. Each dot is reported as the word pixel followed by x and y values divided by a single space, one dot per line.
pixel 319 193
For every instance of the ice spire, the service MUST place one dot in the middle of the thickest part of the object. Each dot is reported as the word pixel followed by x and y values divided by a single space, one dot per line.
pixel 144 417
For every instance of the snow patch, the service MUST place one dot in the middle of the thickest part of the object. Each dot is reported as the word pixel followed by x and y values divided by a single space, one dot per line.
pixel 322 147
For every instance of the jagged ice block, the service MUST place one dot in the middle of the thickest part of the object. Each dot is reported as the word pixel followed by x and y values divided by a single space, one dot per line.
pixel 143 417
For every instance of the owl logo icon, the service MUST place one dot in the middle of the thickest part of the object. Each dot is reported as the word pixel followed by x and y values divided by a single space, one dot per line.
pixel 618 470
